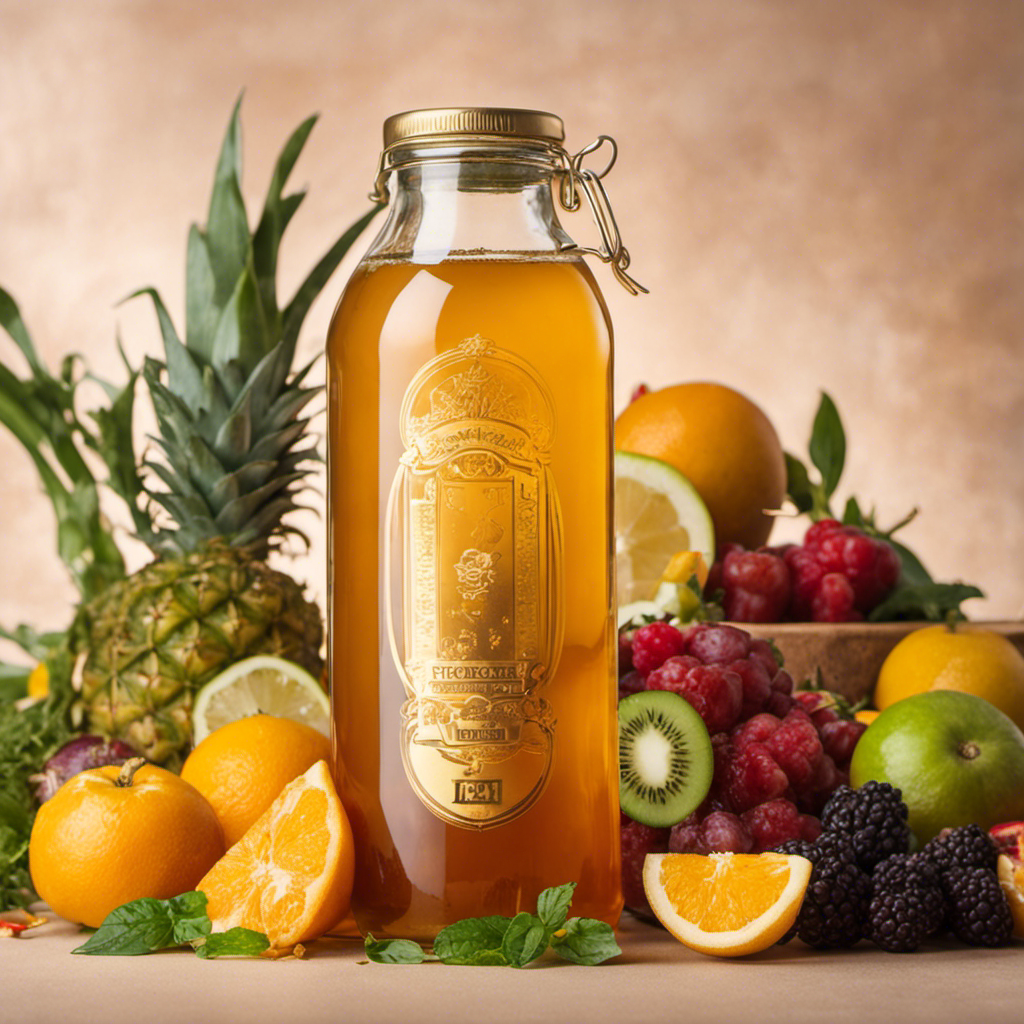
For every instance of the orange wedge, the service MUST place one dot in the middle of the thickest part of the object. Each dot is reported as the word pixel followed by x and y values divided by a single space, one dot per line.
pixel 726 904
pixel 289 876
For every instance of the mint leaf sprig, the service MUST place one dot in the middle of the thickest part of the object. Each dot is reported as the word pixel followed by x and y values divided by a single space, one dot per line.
pixel 498 941
pixel 917 595
pixel 147 925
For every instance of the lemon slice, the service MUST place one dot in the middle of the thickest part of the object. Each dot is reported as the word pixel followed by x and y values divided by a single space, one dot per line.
pixel 658 513
pixel 726 904
pixel 264 684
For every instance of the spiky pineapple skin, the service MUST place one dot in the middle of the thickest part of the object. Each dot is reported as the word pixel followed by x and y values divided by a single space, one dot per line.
pixel 147 645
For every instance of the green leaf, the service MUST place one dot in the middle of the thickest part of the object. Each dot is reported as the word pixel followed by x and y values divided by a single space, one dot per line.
pixel 277 212
pixel 476 941
pixel 241 335
pixel 188 916
pixel 13 681
pixel 798 484
pixel 201 310
pixel 395 951
pixel 233 942
pixel 827 446
pixel 296 310
pixel 10 319
pixel 525 939
pixel 852 514
pixel 912 571
pixel 586 941
pixel 553 905
pixel 227 227
pixel 142 926
pixel 932 601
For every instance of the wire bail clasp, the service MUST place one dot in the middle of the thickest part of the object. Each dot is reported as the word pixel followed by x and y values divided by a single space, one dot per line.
pixel 577 179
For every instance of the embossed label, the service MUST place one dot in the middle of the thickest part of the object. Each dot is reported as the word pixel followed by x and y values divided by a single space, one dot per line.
pixel 475 517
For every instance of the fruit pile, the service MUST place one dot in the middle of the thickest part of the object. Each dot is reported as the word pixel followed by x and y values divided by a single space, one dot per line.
pixel 865 883
pixel 839 574
pixel 777 755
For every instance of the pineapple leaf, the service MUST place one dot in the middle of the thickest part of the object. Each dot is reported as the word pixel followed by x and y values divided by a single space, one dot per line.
pixel 235 435
pixel 245 510
pixel 273 446
pixel 241 333
pixel 286 408
pixel 278 210
pixel 185 378
pixel 296 310
pixel 201 312
pixel 227 227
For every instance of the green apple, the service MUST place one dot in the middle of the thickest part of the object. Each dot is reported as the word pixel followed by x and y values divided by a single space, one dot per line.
pixel 956 758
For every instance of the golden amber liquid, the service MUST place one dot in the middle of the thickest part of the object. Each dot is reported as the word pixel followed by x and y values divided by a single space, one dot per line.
pixel 415 873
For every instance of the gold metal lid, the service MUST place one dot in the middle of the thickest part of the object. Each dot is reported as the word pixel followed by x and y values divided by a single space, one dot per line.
pixel 441 121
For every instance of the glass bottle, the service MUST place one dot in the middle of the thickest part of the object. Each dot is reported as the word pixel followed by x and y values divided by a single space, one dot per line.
pixel 471 596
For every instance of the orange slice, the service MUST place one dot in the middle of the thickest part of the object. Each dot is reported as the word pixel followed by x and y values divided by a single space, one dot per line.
pixel 289 876
pixel 726 904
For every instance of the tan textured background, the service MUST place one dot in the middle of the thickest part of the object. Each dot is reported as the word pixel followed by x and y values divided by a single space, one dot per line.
pixel 819 194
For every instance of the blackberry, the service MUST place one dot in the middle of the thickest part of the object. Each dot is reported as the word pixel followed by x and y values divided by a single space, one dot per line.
pixel 832 913
pixel 899 920
pixel 874 817
pixel 904 872
pixel 966 847
pixel 978 912
pixel 796 847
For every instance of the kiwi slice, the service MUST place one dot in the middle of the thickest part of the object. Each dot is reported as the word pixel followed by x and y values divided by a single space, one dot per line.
pixel 665 759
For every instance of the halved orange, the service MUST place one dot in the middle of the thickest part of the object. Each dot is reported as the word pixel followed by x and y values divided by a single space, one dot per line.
pixel 290 876
pixel 726 904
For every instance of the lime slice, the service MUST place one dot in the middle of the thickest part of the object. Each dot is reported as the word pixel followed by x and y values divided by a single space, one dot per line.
pixel 658 513
pixel 264 684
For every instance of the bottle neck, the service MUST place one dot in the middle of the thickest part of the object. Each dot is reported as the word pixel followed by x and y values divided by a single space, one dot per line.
pixel 471 198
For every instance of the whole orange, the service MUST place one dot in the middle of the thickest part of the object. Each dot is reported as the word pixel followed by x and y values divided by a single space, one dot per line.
pixel 114 834
pixel 722 443
pixel 241 767
pixel 966 658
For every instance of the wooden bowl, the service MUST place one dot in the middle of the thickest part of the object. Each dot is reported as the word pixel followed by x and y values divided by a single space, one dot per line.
pixel 849 655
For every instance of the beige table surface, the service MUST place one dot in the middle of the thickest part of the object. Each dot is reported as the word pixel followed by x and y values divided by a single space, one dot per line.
pixel 656 980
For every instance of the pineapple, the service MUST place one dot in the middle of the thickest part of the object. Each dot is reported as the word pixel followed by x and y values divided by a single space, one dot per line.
pixel 233 454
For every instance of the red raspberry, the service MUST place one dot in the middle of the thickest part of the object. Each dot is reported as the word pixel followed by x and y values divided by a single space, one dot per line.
pixel 810 827
pixel 753 777
pixel 820 531
pixel 715 693
pixel 716 643
pixel 772 823
pixel 723 832
pixel 757 685
pixel 713 583
pixel 630 683
pixel 625 654
pixel 869 563
pixel 755 730
pixel 839 739
pixel 797 749
pixel 834 601
pixel 756 585
pixel 654 644
pixel 765 655
pixel 819 704
pixel 638 392
pixel 805 574
pixel 637 841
